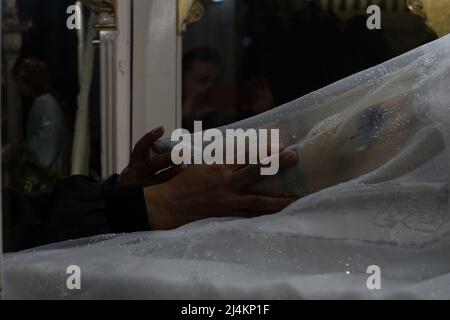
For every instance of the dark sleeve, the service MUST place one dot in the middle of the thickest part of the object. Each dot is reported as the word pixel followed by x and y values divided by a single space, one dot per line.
pixel 77 207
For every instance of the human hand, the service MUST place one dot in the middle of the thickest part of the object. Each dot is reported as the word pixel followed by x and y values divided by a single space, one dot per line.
pixel 145 170
pixel 202 191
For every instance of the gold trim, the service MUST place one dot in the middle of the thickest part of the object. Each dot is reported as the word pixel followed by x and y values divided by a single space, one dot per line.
pixel 416 7
pixel 436 12
pixel 103 8
pixel 189 11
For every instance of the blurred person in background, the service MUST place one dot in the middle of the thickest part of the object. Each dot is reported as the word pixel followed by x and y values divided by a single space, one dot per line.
pixel 44 154
pixel 204 99
pixel 201 71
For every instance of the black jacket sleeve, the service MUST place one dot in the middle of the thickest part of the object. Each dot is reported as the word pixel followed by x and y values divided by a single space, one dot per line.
pixel 77 207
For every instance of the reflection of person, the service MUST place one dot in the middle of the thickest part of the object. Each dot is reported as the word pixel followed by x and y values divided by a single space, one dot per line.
pixel 256 98
pixel 150 194
pixel 47 128
pixel 201 69
pixel 204 100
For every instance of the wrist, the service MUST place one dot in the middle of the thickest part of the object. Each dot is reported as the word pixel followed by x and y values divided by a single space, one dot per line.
pixel 157 205
pixel 125 199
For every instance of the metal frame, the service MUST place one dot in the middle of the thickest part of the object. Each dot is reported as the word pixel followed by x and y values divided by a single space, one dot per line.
pixel 124 84
pixel 108 88
pixel 1 174
pixel 156 67
pixel 114 25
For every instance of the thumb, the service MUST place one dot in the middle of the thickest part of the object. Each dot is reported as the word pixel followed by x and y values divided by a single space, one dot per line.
pixel 140 151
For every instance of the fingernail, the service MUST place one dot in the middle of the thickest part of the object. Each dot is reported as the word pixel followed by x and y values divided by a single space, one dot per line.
pixel 159 130
pixel 289 156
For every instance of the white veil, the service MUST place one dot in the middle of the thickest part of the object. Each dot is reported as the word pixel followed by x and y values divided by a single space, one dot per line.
pixel 389 209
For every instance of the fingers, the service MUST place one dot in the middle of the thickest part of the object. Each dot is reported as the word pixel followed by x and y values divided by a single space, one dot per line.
pixel 270 152
pixel 252 174
pixel 167 174
pixel 157 149
pixel 162 177
pixel 142 148
pixel 159 163
pixel 247 176
pixel 146 170
pixel 288 159
pixel 251 206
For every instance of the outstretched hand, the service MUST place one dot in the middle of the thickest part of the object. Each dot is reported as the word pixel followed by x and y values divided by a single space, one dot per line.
pixel 207 191
pixel 145 170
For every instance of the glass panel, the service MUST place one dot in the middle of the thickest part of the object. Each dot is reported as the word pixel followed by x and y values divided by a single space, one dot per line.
pixel 246 57
pixel 40 88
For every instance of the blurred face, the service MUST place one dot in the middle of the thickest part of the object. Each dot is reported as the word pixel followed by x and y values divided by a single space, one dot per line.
pixel 199 78
pixel 23 87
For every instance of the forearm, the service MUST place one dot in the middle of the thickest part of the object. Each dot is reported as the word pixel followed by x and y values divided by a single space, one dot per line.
pixel 77 207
